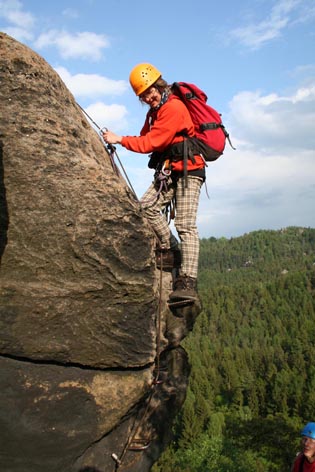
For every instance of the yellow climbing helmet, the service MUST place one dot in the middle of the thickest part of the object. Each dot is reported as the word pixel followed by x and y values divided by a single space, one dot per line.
pixel 142 77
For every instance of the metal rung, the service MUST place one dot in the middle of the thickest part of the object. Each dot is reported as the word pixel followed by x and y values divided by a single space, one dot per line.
pixel 181 302
pixel 116 459
pixel 139 444
pixel 157 382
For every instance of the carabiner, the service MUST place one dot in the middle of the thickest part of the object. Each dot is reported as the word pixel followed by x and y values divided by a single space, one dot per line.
pixel 102 130
pixel 165 172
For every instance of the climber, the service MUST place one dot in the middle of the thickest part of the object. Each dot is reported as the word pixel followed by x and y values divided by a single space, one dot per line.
pixel 167 122
pixel 305 460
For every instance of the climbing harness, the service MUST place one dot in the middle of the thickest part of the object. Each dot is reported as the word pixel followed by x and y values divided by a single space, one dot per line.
pixel 161 179
pixel 162 182
pixel 111 151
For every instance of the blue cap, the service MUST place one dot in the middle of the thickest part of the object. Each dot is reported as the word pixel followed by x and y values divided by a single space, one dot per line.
pixel 309 430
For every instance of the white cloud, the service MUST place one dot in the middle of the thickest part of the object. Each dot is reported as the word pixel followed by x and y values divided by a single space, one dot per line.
pixel 20 22
pixel 269 180
pixel 248 188
pixel 12 11
pixel 256 35
pixel 275 122
pixel 20 34
pixel 84 45
pixel 276 142
pixel 252 169
pixel 91 85
pixel 109 116
pixel 70 13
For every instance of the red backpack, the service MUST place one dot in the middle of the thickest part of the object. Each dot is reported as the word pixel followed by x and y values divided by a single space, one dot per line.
pixel 209 130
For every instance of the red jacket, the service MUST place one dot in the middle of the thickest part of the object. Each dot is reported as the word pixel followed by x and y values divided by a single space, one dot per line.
pixel 162 129
pixel 307 466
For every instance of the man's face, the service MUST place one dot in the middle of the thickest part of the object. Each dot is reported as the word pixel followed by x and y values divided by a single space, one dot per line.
pixel 151 97
pixel 308 445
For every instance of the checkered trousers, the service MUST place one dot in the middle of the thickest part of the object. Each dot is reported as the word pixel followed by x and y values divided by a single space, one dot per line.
pixel 186 204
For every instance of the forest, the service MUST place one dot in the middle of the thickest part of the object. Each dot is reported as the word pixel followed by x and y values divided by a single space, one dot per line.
pixel 252 351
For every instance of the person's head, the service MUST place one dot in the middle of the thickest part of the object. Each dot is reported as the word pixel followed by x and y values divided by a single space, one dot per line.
pixel 148 84
pixel 308 441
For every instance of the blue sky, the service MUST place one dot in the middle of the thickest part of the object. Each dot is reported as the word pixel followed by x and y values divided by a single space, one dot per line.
pixel 255 59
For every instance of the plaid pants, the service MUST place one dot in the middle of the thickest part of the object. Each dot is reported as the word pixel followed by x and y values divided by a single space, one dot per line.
pixel 187 200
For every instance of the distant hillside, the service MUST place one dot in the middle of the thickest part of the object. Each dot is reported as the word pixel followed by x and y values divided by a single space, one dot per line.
pixel 274 252
pixel 252 353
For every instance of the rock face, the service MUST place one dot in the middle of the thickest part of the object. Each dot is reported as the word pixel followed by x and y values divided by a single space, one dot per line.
pixel 84 326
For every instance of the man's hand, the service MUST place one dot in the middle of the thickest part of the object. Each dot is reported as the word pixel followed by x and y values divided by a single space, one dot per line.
pixel 111 138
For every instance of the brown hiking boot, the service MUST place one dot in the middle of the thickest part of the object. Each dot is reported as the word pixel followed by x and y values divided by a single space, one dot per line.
pixel 168 259
pixel 185 288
